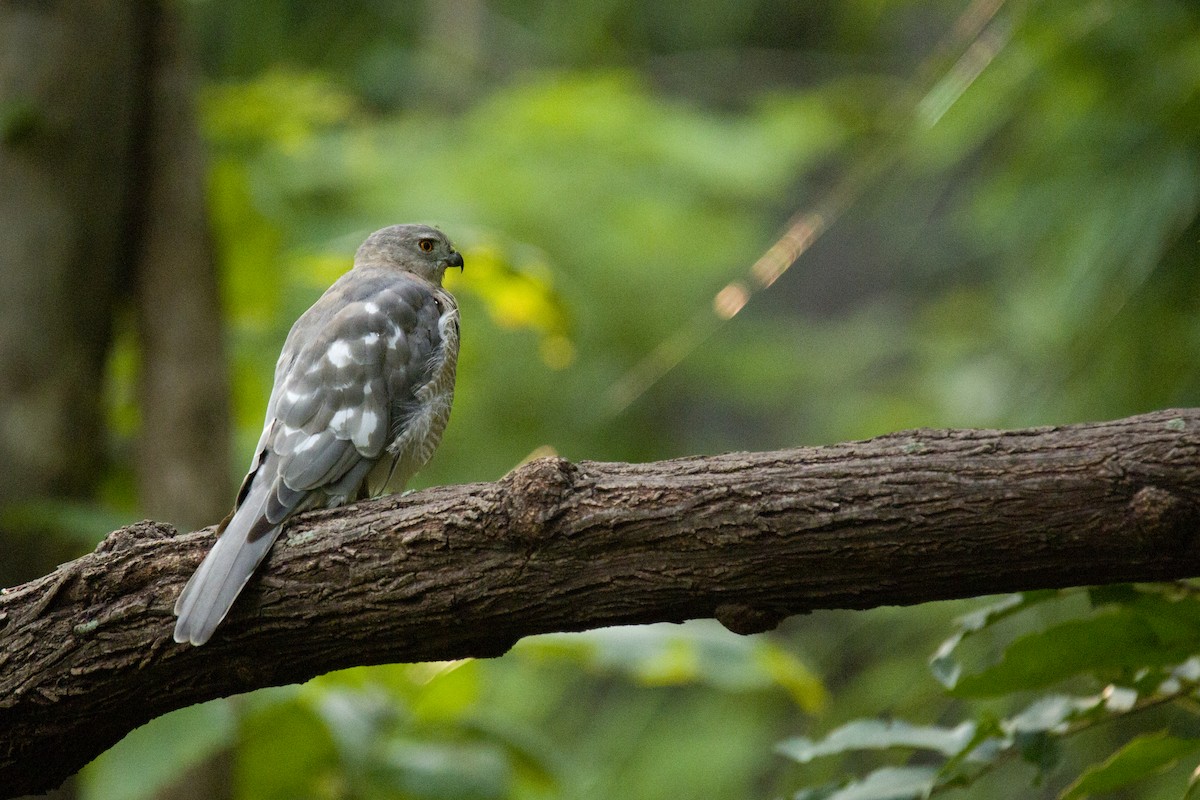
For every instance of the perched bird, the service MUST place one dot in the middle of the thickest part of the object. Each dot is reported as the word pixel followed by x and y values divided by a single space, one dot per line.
pixel 361 396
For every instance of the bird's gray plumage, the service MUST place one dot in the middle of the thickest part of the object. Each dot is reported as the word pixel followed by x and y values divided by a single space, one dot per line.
pixel 362 393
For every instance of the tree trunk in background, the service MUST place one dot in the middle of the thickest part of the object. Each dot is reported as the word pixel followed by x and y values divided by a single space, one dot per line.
pixel 183 454
pixel 102 192
pixel 183 446
pixel 102 196
pixel 68 105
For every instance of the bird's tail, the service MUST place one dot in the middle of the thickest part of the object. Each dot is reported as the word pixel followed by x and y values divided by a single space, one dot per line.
pixel 210 592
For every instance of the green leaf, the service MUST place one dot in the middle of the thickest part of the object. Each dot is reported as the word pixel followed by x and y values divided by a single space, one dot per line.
pixel 945 667
pixel 818 793
pixel 534 759
pixel 356 720
pixel 423 769
pixel 1113 594
pixel 448 693
pixel 890 783
pixel 518 293
pixel 1050 713
pixel 1120 638
pixel 1146 755
pixel 279 106
pixel 790 673
pixel 285 751
pixel 697 652
pixel 155 754
pixel 429 692
pixel 987 743
pixel 1043 749
pixel 83 522
pixel 871 734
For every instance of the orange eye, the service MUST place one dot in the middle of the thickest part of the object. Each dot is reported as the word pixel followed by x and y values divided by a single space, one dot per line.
pixel 426 245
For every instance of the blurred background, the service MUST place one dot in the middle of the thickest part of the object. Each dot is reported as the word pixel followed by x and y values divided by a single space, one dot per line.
pixel 689 227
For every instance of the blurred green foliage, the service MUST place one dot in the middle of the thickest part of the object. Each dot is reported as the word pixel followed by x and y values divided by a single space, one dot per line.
pixel 1011 197
pixel 1134 648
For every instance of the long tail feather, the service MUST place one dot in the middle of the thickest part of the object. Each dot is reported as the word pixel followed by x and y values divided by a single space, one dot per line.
pixel 220 578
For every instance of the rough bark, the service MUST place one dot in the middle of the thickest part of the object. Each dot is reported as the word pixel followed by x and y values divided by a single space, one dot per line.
pixel 86 653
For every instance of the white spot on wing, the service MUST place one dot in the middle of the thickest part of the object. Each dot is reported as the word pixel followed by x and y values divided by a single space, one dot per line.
pixel 367 424
pixel 307 444
pixel 339 353
pixel 371 338
pixel 371 308
pixel 293 396
pixel 338 423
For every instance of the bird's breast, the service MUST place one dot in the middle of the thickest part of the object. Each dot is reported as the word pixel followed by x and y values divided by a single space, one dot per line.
pixel 417 439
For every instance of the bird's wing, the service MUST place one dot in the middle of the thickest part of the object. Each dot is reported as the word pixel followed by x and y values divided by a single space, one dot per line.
pixel 351 367
pixel 350 372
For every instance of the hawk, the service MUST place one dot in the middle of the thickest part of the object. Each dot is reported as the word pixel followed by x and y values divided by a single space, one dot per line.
pixel 362 393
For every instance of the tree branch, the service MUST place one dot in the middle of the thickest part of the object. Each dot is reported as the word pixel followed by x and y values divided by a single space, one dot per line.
pixel 86 653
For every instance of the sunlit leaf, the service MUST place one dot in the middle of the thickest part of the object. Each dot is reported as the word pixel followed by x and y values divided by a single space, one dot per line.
pixel 880 735
pixel 788 671
pixel 818 793
pixel 281 107
pixel 1187 672
pixel 1193 787
pixel 448 692
pixel 695 652
pixel 1119 699
pixel 1050 714
pixel 889 783
pixel 518 295
pixel 249 246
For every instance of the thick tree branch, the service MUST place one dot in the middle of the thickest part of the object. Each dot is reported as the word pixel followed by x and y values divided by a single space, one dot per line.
pixel 86 653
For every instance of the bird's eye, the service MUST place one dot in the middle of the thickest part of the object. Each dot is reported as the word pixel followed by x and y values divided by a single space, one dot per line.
pixel 426 245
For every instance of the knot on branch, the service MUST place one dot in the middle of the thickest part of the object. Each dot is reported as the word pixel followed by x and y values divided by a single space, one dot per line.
pixel 745 620
pixel 534 494
pixel 1164 517
pixel 127 537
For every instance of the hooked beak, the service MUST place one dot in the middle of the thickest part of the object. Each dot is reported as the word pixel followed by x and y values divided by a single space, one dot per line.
pixel 455 260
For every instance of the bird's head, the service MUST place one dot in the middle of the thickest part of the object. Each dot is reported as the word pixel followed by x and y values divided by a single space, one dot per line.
pixel 420 249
